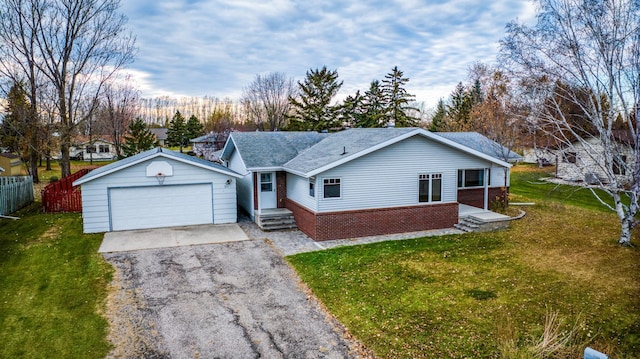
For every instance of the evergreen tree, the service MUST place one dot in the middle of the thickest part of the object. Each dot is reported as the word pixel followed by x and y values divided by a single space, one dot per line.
pixel 398 99
pixel 13 132
pixel 177 131
pixel 194 128
pixel 375 107
pixel 460 109
pixel 352 112
pixel 138 138
pixel 312 109
pixel 439 119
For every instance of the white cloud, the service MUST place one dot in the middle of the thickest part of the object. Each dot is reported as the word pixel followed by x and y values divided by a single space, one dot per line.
pixel 215 48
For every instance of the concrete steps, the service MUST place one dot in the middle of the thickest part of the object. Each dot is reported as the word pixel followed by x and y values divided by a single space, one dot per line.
pixel 482 222
pixel 278 219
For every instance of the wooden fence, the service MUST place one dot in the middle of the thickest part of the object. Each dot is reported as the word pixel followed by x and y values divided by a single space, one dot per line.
pixel 61 196
pixel 15 192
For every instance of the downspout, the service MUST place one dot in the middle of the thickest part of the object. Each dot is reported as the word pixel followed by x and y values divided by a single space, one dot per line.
pixel 486 189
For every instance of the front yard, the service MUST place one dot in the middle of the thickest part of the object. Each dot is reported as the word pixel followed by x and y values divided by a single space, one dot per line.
pixel 489 295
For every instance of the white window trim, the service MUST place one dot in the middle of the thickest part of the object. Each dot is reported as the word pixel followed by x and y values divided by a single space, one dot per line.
pixel 312 180
pixel 430 177
pixel 323 185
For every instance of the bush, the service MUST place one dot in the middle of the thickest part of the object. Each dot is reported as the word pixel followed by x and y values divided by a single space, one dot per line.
pixel 53 179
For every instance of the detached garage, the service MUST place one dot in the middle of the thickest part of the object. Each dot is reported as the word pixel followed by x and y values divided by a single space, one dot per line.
pixel 157 188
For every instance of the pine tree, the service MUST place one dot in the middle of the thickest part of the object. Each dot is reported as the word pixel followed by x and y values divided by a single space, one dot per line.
pixel 398 99
pixel 352 112
pixel 13 132
pixel 460 109
pixel 177 131
pixel 138 138
pixel 439 119
pixel 312 109
pixel 375 107
pixel 194 128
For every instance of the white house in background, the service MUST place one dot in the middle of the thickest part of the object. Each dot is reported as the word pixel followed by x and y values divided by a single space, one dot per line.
pixel 362 182
pixel 157 188
pixel 582 162
pixel 97 149
pixel 161 135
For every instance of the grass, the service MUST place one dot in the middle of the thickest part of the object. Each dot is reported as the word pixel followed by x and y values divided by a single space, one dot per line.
pixel 526 184
pixel 489 295
pixel 53 287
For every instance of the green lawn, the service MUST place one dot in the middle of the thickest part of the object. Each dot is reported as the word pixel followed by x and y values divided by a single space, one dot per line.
pixel 53 286
pixel 488 295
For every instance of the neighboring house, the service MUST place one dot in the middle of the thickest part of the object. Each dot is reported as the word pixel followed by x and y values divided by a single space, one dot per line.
pixel 97 149
pixel 582 162
pixel 209 145
pixel 157 188
pixel 11 164
pixel 362 182
pixel 540 156
pixel 161 135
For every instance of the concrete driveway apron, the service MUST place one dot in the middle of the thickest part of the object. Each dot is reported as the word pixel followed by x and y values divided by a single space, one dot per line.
pixel 228 300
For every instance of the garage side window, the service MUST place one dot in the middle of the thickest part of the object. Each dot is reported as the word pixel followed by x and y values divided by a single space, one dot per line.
pixel 331 187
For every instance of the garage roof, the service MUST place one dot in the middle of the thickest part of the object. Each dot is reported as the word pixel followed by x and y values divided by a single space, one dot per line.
pixel 147 155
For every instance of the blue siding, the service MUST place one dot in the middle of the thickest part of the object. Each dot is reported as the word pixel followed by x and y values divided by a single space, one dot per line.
pixel 95 204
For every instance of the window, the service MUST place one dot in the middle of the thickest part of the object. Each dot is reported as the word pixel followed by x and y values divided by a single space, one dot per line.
pixel 472 178
pixel 90 149
pixel 312 187
pixel 331 187
pixel 619 165
pixel 430 187
pixel 104 148
pixel 266 183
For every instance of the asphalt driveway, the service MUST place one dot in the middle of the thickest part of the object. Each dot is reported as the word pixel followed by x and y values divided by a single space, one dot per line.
pixel 227 300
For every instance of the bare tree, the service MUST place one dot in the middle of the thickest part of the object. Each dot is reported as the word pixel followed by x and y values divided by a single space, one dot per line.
pixel 118 105
pixel 587 53
pixel 266 100
pixel 20 61
pixel 82 43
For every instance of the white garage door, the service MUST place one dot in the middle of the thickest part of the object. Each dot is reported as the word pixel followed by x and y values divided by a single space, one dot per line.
pixel 160 206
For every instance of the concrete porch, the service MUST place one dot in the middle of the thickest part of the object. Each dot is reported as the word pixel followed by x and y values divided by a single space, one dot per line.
pixel 275 219
pixel 474 219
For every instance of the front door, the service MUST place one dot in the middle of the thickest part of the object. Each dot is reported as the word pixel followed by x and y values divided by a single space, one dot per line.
pixel 267 187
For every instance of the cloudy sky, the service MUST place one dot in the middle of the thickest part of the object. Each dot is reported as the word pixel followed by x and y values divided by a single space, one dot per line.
pixel 216 47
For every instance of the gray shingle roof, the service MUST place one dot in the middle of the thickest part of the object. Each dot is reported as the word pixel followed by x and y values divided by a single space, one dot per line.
pixel 273 149
pixel 342 144
pixel 126 162
pixel 481 143
pixel 306 152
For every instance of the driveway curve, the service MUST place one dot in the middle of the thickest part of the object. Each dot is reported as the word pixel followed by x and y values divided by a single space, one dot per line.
pixel 228 300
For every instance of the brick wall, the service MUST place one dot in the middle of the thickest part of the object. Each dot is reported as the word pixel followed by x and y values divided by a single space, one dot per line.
pixel 475 196
pixel 305 219
pixel 281 189
pixel 370 222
